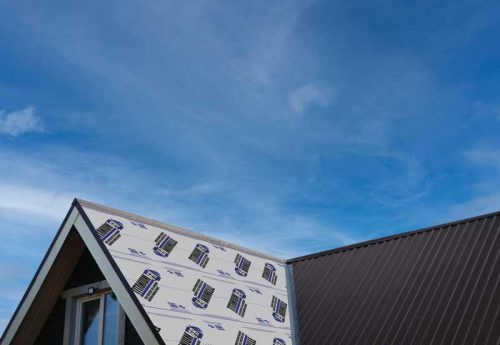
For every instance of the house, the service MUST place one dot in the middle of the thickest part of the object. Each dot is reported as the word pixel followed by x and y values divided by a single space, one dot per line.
pixel 111 277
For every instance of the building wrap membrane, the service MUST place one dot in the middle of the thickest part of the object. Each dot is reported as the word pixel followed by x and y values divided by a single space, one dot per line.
pixel 197 291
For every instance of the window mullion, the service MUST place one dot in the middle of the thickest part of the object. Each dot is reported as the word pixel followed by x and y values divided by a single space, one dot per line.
pixel 121 330
pixel 78 323
pixel 101 320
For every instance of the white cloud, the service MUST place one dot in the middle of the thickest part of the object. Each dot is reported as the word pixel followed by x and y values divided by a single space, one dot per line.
pixel 288 235
pixel 42 189
pixel 34 201
pixel 479 205
pixel 19 122
pixel 307 95
pixel 487 191
pixel 268 40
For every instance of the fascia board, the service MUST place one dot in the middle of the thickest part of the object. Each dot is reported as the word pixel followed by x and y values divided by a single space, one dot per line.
pixel 39 277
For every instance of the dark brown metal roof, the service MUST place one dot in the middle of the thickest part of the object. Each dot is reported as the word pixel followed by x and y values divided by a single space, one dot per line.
pixel 437 285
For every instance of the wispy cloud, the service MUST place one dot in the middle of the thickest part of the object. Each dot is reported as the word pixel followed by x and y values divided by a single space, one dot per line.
pixel 485 193
pixel 245 214
pixel 269 39
pixel 485 156
pixel 34 201
pixel 476 206
pixel 486 109
pixel 308 95
pixel 18 122
pixel 410 183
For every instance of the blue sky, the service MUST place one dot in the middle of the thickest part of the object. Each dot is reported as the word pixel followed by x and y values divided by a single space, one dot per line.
pixel 285 126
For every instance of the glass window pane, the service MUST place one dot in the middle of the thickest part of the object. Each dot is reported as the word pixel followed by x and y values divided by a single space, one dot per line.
pixel 111 320
pixel 90 322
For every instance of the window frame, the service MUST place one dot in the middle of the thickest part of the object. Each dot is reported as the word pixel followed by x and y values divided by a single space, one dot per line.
pixel 75 298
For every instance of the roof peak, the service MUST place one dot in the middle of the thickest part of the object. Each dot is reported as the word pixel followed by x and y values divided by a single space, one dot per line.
pixel 174 228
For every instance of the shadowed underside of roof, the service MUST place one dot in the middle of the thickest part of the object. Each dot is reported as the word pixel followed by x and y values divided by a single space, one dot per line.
pixel 435 286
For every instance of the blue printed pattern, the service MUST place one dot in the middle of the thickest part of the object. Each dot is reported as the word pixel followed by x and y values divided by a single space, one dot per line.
pixel 146 285
pixel 109 231
pixel 198 292
pixel 164 245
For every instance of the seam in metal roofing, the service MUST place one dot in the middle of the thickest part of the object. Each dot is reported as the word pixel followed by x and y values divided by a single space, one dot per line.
pixel 438 285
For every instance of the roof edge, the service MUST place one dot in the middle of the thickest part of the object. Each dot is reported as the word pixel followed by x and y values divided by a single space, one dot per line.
pixel 37 274
pixel 391 237
pixel 117 271
pixel 176 229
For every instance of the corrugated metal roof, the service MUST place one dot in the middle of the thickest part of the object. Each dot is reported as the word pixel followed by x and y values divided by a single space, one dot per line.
pixel 437 285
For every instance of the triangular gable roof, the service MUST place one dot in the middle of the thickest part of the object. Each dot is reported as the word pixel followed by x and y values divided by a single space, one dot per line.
pixel 133 252
pixel 76 220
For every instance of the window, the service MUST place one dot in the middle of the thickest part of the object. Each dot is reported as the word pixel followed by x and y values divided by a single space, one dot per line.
pixel 98 320
pixel 94 318
pixel 89 322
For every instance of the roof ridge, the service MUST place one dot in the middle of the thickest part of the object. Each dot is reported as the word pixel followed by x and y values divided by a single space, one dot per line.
pixel 177 229
pixel 392 237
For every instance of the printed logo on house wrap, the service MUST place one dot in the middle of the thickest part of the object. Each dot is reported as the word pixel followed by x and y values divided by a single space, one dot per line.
pixel 109 232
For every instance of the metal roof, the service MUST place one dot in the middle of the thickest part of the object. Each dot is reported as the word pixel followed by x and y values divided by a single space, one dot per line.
pixel 438 285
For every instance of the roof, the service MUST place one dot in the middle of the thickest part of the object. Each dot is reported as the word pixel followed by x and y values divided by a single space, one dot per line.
pixel 88 205
pixel 438 285
pixel 171 280
pixel 191 260
pixel 390 237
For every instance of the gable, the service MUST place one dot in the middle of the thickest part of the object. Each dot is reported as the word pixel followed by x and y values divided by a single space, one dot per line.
pixel 191 286
pixel 44 289
pixel 86 272
pixel 73 237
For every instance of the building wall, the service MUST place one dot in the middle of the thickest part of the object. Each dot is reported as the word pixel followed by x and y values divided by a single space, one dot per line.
pixel 53 330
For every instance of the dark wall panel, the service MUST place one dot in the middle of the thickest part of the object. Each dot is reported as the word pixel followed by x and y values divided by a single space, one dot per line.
pixel 131 336
pixel 434 286
pixel 85 272
pixel 47 297
pixel 53 330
